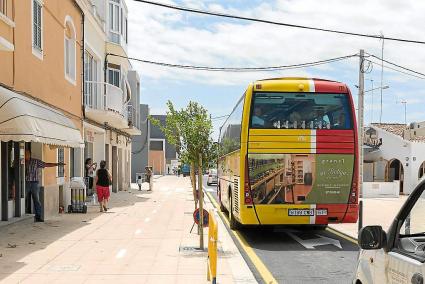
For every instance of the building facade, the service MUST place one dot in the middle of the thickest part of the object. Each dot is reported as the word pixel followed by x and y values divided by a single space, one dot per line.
pixel 41 50
pixel 395 152
pixel 109 107
pixel 140 145
pixel 162 155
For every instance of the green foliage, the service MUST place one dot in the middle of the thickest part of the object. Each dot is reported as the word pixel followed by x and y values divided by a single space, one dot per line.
pixel 189 129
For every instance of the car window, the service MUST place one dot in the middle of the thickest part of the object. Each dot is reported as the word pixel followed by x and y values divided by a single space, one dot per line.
pixel 415 223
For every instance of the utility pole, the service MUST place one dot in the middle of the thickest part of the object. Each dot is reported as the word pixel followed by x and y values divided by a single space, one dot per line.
pixel 360 115
pixel 382 74
pixel 371 112
pixel 201 205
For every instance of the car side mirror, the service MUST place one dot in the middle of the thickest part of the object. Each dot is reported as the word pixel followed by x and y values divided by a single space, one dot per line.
pixel 372 237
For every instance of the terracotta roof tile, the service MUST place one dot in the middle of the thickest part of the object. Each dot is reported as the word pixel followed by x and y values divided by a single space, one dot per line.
pixel 394 128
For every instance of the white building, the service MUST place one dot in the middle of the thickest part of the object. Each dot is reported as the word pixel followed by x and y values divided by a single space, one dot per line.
pixel 107 93
pixel 395 152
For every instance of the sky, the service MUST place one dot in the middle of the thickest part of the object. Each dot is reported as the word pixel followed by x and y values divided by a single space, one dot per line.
pixel 171 36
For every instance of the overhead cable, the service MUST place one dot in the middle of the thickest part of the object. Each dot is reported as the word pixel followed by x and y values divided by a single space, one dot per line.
pixel 216 14
pixel 397 65
pixel 396 70
pixel 238 69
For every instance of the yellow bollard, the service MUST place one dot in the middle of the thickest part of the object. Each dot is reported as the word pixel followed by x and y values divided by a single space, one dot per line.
pixel 212 248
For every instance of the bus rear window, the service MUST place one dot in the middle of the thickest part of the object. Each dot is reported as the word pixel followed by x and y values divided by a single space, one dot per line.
pixel 300 111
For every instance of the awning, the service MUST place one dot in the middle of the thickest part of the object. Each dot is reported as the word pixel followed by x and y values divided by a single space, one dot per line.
pixel 24 119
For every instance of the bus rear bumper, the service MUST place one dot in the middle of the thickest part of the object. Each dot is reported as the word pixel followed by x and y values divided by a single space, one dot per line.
pixel 320 214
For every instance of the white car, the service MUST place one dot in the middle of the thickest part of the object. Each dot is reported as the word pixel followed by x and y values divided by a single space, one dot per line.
pixel 212 177
pixel 397 256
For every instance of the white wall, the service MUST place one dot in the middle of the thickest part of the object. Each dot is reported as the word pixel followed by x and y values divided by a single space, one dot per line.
pixel 410 154
pixel 381 189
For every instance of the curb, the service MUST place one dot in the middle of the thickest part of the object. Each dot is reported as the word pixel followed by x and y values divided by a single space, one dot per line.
pixel 342 234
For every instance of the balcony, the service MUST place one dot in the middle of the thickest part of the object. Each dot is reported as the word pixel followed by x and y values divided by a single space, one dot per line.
pixel 105 103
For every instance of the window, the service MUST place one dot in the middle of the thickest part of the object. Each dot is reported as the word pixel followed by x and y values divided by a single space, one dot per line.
pixel 91 77
pixel 156 145
pixel 300 111
pixel 114 20
pixel 61 159
pixel 117 22
pixel 230 132
pixel 37 30
pixel 114 76
pixel 69 50
pixel 126 30
pixel 3 7
pixel 410 241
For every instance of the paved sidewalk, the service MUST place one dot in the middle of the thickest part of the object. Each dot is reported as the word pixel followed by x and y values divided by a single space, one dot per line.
pixel 376 211
pixel 143 238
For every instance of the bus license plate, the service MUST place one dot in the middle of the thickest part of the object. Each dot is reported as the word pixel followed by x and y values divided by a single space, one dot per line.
pixel 301 212
pixel 307 212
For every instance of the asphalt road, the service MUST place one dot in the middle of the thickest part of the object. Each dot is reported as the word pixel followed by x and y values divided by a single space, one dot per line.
pixel 299 254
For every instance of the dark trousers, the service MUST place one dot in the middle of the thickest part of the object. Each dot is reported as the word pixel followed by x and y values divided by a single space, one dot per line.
pixel 33 190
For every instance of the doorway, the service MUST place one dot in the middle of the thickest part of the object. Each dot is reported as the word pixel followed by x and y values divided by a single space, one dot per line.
pixel 395 171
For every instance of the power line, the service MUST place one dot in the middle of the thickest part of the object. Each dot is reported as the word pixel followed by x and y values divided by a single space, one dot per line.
pixel 220 117
pixel 397 65
pixel 397 70
pixel 216 14
pixel 237 69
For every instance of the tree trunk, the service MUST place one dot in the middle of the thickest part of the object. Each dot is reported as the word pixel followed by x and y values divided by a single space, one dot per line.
pixel 201 205
pixel 193 180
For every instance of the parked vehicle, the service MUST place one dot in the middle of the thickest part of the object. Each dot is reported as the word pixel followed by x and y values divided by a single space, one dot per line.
pixel 212 176
pixel 396 256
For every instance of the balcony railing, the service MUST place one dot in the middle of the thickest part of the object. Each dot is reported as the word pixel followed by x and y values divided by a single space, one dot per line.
pixel 104 96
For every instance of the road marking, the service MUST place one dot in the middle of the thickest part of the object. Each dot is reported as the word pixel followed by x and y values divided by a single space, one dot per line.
pixel 121 253
pixel 138 231
pixel 259 265
pixel 341 235
pixel 147 219
pixel 312 243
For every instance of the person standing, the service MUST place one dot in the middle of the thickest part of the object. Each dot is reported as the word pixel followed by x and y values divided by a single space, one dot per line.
pixel 90 168
pixel 102 180
pixel 149 177
pixel 32 171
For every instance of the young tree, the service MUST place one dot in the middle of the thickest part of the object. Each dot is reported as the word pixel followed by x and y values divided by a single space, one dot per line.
pixel 190 129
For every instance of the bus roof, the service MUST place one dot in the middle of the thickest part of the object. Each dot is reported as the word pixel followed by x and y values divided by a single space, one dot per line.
pixel 299 84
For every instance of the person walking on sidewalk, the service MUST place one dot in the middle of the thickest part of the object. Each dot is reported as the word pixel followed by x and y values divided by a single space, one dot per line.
pixel 32 171
pixel 102 180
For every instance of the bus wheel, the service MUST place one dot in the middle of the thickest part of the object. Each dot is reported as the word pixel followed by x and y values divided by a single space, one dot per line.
pixel 234 224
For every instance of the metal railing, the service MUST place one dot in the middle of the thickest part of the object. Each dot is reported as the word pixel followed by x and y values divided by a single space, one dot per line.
pixel 105 96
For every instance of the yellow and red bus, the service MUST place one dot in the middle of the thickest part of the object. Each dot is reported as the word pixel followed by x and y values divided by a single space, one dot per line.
pixel 288 154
